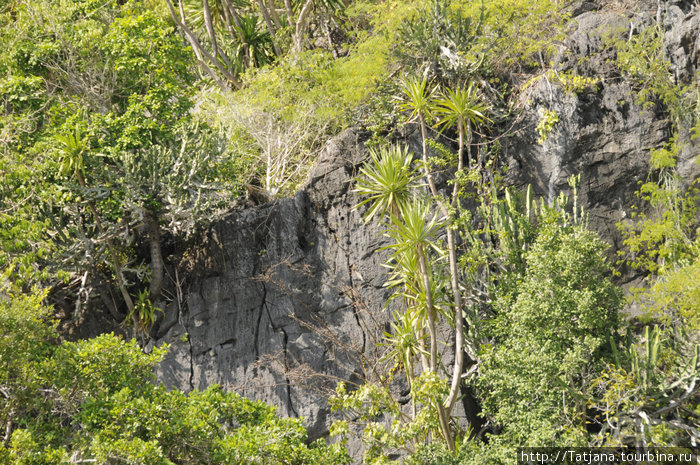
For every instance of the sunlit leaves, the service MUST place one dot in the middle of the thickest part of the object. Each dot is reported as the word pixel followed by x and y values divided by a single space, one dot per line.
pixel 388 181
pixel 96 400
pixel 416 98
pixel 459 106
pixel 550 331
pixel 72 146
pixel 415 229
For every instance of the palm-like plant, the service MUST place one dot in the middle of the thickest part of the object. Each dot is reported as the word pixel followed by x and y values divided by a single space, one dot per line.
pixel 256 47
pixel 406 343
pixel 388 181
pixel 415 229
pixel 461 107
pixel 416 100
pixel 404 274
pixel 414 233
pixel 72 147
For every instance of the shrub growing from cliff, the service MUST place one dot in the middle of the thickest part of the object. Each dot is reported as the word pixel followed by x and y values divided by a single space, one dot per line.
pixel 549 336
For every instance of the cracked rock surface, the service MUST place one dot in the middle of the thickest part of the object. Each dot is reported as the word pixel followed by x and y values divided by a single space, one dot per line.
pixel 267 283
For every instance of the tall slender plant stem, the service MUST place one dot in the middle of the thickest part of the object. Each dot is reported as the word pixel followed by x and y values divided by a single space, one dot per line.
pixel 454 283
pixel 270 26
pixel 454 272
pixel 432 329
pixel 443 412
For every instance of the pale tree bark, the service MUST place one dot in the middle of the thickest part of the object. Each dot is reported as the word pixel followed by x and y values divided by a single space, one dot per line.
pixel 432 330
pixel 286 146
pixel 290 11
pixel 454 283
pixel 446 408
pixel 302 26
pixel 203 56
pixel 234 14
pixel 208 23
pixel 273 13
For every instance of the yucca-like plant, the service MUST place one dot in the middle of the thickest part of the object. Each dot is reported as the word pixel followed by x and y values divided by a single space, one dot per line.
pixel 72 147
pixel 406 343
pixel 256 47
pixel 461 107
pixel 388 181
pixel 415 229
pixel 405 276
pixel 417 100
pixel 415 233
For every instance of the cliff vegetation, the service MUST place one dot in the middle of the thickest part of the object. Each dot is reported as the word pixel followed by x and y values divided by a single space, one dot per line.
pixel 500 319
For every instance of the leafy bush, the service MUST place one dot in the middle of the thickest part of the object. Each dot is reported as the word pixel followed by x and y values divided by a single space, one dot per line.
pixel 96 400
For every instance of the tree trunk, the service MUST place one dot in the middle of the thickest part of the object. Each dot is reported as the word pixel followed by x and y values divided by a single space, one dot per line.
pixel 157 266
pixel 454 283
pixel 302 26
pixel 270 26
pixel 202 53
pixel 432 330
pixel 210 27
pixel 234 15
pixel 273 13
pixel 290 11
pixel 8 430
pixel 445 409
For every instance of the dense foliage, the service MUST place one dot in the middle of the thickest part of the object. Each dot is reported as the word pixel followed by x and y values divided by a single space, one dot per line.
pixel 549 359
pixel 126 126
pixel 96 400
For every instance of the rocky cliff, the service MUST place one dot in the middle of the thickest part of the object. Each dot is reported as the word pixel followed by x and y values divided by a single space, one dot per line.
pixel 282 300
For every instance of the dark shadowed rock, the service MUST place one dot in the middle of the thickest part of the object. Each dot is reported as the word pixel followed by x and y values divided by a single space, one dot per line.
pixel 262 278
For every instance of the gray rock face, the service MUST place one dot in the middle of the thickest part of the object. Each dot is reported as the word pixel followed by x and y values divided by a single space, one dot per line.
pixel 281 301
pixel 268 282
pixel 601 133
